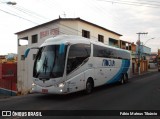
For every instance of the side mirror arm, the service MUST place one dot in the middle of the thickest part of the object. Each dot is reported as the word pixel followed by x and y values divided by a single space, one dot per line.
pixel 28 50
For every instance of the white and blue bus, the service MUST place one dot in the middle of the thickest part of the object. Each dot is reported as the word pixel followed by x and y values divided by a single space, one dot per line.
pixel 66 64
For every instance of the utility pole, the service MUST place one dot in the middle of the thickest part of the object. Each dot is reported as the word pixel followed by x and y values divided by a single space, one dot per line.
pixel 139 50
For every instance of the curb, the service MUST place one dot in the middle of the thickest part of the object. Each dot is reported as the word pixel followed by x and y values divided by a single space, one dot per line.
pixel 149 73
pixel 4 96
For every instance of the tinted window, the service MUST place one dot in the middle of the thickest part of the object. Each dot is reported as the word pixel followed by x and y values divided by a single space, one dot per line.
pixel 99 51
pixel 106 52
pixel 77 54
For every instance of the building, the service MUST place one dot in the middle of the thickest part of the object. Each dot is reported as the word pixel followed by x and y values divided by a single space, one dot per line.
pixel 2 58
pixel 153 60
pixel 144 61
pixel 36 36
pixel 130 46
pixel 133 48
pixel 10 58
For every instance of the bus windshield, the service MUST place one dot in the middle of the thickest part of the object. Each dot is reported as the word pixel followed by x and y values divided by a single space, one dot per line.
pixel 50 62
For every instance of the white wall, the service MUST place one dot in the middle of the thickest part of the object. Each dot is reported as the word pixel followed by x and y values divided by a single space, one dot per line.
pixel 94 31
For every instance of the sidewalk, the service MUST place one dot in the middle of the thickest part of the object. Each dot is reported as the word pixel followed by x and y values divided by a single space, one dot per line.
pixel 2 96
pixel 150 71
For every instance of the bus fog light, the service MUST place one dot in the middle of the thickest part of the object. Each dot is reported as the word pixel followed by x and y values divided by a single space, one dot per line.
pixel 61 85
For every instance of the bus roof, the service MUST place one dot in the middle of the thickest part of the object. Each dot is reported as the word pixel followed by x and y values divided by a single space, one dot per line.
pixel 66 39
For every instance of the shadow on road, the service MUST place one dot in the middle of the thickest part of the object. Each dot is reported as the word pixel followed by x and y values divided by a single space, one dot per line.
pixel 79 94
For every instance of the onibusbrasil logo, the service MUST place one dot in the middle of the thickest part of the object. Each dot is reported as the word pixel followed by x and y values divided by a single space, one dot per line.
pixel 20 113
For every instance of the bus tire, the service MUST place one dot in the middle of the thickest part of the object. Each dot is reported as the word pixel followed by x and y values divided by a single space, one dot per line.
pixel 89 86
pixel 122 81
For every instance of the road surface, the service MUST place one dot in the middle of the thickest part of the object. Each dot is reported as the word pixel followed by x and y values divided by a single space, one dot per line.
pixel 141 93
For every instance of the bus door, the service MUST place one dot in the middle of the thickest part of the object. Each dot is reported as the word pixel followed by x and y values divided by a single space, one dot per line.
pixel 76 65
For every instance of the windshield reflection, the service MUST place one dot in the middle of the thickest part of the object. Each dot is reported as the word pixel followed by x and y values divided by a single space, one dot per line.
pixel 50 62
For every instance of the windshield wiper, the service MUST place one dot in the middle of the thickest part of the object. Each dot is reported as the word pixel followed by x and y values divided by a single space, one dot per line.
pixel 45 64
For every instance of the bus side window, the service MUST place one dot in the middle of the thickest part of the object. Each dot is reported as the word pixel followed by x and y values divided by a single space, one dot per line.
pixel 99 51
pixel 77 54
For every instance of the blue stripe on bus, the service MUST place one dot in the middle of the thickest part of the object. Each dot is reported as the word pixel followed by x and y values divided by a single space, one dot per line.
pixel 124 68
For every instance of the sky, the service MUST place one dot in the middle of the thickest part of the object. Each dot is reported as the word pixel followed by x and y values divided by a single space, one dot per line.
pixel 126 17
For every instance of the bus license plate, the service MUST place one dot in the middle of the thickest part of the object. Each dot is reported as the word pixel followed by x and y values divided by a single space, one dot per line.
pixel 44 90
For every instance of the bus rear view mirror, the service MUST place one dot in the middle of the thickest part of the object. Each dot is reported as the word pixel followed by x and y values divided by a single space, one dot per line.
pixel 26 52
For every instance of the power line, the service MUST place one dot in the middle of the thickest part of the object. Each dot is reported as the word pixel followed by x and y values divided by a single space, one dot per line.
pixel 21 11
pixel 11 11
pixel 69 28
pixel 114 18
pixel 150 1
pixel 17 16
pixel 26 11
pixel 138 2
pixel 32 21
pixel 50 28
pixel 132 3
pixel 81 31
pixel 26 19
pixel 45 26
pixel 29 12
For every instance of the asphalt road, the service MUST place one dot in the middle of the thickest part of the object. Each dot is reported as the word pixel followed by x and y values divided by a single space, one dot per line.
pixel 141 93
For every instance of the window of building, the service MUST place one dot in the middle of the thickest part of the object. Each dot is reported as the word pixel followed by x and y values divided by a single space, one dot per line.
pixel 34 56
pixel 100 38
pixel 128 46
pixel 22 57
pixel 23 41
pixel 34 38
pixel 113 42
pixel 78 54
pixel 85 34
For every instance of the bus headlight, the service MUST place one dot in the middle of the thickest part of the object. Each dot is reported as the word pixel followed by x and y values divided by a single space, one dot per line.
pixel 61 85
pixel 33 84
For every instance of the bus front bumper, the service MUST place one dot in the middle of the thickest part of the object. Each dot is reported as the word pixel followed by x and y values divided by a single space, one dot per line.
pixel 48 90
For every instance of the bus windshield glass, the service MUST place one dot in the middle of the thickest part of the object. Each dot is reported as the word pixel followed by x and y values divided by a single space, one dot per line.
pixel 50 61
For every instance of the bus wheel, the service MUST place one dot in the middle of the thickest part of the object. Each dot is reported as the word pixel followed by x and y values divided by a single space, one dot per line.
pixel 89 86
pixel 122 81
